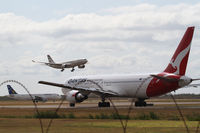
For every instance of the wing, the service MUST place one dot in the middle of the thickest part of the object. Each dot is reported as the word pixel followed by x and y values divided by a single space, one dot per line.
pixel 82 89
pixel 45 63
pixel 165 78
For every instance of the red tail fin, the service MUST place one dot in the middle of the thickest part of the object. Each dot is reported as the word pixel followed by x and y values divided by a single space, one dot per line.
pixel 179 60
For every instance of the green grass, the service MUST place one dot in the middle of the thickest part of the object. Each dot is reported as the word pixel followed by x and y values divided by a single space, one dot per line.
pixel 10 125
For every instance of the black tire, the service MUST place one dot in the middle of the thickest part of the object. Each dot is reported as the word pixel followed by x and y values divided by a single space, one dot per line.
pixel 104 104
pixel 144 104
pixel 107 104
pixel 140 104
pixel 72 104
pixel 136 104
pixel 100 104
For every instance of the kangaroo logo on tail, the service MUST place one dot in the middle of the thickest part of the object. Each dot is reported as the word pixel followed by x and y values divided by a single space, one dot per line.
pixel 179 60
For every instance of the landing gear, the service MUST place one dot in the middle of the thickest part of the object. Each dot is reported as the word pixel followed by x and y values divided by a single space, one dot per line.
pixel 72 69
pixel 35 101
pixel 140 103
pixel 62 69
pixel 103 103
pixel 72 104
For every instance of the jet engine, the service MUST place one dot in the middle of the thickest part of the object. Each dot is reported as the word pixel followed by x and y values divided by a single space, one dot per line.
pixel 75 96
pixel 81 66
pixel 37 98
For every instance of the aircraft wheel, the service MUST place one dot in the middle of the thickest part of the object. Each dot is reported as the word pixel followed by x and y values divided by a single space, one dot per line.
pixel 107 104
pixel 72 104
pixel 72 69
pixel 103 104
pixel 140 103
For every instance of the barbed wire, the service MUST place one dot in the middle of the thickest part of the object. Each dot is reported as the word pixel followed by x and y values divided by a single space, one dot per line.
pixel 197 127
pixel 123 124
pixel 57 109
pixel 23 86
pixel 181 114
pixel 131 105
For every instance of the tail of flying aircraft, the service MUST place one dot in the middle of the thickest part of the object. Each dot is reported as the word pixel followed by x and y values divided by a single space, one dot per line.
pixel 50 59
pixel 11 90
pixel 179 60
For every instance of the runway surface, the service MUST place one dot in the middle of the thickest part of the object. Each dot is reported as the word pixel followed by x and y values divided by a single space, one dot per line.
pixel 189 105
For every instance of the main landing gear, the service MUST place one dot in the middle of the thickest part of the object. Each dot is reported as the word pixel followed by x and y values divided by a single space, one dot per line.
pixel 72 104
pixel 140 103
pixel 62 69
pixel 103 103
pixel 72 69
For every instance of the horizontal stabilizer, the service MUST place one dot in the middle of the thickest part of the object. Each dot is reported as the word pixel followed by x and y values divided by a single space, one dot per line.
pixel 165 78
pixel 193 85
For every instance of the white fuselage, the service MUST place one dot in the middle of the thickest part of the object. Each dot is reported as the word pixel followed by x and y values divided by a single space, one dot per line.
pixel 34 96
pixel 133 86
pixel 122 85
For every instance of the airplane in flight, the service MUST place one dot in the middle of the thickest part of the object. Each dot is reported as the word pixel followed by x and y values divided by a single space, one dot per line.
pixel 70 64
pixel 36 97
pixel 141 87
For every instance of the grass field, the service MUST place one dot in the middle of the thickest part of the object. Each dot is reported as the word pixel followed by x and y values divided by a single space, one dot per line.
pixel 97 120
pixel 93 126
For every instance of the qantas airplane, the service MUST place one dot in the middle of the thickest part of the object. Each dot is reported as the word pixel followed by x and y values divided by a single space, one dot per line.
pixel 70 64
pixel 36 97
pixel 141 87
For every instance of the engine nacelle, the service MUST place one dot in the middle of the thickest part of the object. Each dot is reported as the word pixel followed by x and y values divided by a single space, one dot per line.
pixel 81 66
pixel 37 98
pixel 75 96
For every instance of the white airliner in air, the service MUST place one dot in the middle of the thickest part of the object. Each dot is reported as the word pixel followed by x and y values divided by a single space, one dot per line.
pixel 70 64
pixel 141 87
pixel 36 97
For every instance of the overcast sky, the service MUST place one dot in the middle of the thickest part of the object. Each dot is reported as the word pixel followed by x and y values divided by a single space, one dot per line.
pixel 116 36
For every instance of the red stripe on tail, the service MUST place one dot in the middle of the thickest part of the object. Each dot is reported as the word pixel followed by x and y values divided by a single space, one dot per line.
pixel 179 60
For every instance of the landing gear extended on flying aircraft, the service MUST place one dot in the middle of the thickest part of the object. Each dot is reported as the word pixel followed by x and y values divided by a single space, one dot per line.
pixel 103 103
pixel 72 69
